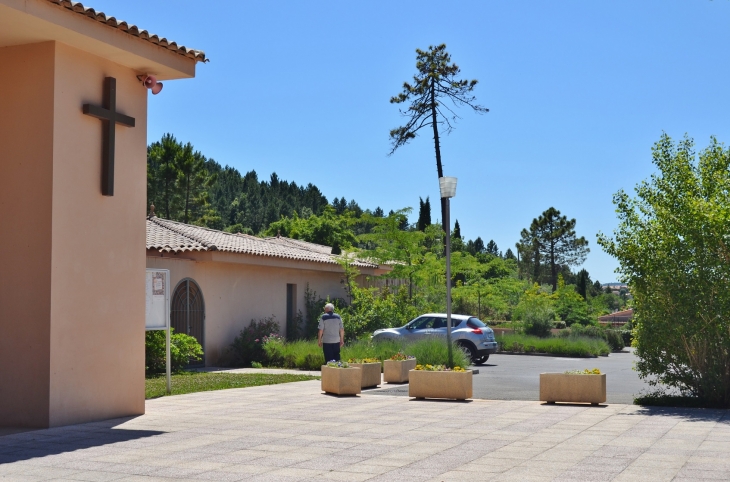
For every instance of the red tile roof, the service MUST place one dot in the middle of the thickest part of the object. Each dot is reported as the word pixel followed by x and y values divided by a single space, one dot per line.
pixel 133 30
pixel 171 236
pixel 619 314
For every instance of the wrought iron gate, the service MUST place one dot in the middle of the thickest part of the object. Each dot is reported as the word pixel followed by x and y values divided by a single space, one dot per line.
pixel 187 312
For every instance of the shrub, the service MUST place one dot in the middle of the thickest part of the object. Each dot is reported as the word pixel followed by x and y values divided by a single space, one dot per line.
pixel 627 333
pixel 673 251
pixel 612 337
pixel 373 309
pixel 183 350
pixel 248 346
pixel 433 351
pixel 307 355
pixel 313 361
pixel 536 312
pixel 567 346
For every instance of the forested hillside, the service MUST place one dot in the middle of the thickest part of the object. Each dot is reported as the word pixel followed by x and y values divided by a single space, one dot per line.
pixel 186 186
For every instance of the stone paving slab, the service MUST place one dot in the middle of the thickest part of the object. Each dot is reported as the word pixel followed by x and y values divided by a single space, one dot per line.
pixel 294 432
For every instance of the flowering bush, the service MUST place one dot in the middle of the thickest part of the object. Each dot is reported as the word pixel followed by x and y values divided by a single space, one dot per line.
pixel 587 371
pixel 248 347
pixel 439 368
pixel 338 364
pixel 364 360
pixel 400 356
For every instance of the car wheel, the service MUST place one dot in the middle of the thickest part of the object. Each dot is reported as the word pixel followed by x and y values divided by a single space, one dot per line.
pixel 480 360
pixel 470 351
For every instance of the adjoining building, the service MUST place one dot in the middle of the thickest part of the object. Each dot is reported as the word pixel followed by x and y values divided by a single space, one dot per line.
pixel 221 281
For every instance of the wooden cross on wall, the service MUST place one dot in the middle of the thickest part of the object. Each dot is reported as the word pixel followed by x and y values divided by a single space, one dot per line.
pixel 109 119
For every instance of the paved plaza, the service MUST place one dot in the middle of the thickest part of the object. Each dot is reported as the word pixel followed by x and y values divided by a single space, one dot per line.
pixel 293 432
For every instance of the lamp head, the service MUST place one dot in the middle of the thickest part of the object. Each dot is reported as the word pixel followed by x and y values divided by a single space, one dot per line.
pixel 447 185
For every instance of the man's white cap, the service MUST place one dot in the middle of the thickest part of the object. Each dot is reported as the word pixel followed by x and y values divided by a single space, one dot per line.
pixel 329 307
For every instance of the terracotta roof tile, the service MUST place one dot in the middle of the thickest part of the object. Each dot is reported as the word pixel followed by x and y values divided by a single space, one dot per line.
pixel 171 236
pixel 79 8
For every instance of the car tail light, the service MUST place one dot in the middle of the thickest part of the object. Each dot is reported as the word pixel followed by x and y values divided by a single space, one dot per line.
pixel 477 331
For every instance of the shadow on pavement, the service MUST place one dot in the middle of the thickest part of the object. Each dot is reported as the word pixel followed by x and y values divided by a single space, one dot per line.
pixel 716 415
pixel 37 443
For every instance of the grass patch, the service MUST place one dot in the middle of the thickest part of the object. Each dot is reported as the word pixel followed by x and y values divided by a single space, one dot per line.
pixel 191 382
pixel 577 347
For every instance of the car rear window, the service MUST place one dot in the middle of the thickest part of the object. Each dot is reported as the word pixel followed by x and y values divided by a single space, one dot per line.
pixel 475 323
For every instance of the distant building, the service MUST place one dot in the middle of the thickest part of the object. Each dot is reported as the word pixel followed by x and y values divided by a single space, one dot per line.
pixel 617 318
pixel 221 281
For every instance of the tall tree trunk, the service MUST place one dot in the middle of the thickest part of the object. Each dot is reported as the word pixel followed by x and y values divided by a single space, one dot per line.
pixel 187 200
pixel 167 190
pixel 553 269
pixel 437 147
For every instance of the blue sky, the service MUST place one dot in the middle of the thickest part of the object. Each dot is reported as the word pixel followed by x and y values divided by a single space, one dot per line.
pixel 578 92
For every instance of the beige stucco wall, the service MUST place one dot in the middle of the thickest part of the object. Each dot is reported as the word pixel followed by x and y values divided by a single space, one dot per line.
pixel 237 292
pixel 97 319
pixel 26 187
pixel 72 290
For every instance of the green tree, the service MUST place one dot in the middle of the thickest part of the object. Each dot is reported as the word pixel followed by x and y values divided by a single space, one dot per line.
pixel 569 305
pixel 457 230
pixel 492 248
pixel 424 214
pixel 584 284
pixel 162 188
pixel 673 248
pixel 536 312
pixel 436 81
pixel 329 229
pixel 551 237
pixel 403 249
pixel 193 181
pixel 509 254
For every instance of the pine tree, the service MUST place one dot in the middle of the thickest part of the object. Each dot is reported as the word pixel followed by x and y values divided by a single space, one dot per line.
pixel 551 237
pixel 436 81
pixel 424 214
pixel 492 248
pixel 457 230
pixel 509 254
pixel 479 245
pixel 583 286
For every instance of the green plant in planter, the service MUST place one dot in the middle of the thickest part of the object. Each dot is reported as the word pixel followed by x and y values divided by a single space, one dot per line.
pixel 439 368
pixel 363 360
pixel 338 364
pixel 585 371
pixel 400 356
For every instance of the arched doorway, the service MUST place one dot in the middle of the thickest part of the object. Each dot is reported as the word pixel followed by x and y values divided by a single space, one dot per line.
pixel 187 312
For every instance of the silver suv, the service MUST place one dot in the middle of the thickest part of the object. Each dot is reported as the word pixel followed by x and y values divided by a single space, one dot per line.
pixel 468 332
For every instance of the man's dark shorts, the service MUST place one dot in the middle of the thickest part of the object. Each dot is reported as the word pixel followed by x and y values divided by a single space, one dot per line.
pixel 331 351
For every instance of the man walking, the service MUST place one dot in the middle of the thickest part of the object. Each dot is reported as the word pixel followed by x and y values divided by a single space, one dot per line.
pixel 331 333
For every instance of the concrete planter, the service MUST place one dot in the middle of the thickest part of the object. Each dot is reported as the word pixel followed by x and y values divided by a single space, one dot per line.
pixel 341 381
pixel 564 387
pixel 396 371
pixel 370 373
pixel 425 384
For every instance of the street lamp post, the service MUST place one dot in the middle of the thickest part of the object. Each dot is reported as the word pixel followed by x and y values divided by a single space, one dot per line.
pixel 447 186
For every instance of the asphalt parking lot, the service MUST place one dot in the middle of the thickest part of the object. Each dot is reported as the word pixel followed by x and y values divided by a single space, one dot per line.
pixel 517 377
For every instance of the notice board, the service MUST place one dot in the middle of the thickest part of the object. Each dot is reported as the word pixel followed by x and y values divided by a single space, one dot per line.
pixel 157 299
